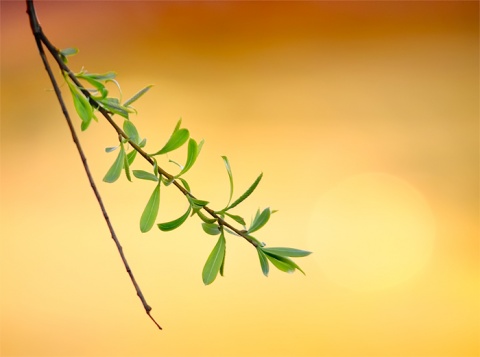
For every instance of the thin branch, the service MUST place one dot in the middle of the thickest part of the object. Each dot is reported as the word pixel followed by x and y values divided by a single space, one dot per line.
pixel 39 39
pixel 55 53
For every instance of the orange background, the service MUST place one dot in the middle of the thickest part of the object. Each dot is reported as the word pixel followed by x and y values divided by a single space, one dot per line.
pixel 336 102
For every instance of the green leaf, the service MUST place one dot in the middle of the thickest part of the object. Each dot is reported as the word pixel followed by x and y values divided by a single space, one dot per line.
pixel 116 169
pixel 287 252
pixel 114 106
pixel 81 103
pixel 193 151
pixel 246 194
pixel 260 220
pixel 222 267
pixel 100 87
pixel 112 148
pixel 230 178
pixel 126 165
pixel 184 183
pixel 211 228
pixel 151 210
pixel 131 156
pixel 203 217
pixel 282 263
pixel 263 261
pixel 131 131
pixel 214 261
pixel 70 51
pixel 169 226
pixel 237 219
pixel 178 138
pixel 144 175
pixel 108 76
pixel 196 203
pixel 137 95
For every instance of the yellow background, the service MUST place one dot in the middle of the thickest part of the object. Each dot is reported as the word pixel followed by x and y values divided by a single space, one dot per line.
pixel 335 102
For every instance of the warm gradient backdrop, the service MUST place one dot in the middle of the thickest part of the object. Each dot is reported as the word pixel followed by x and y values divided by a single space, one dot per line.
pixel 363 117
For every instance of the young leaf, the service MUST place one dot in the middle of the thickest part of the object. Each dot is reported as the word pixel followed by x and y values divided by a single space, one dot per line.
pixel 237 219
pixel 260 220
pixel 131 131
pixel 126 165
pixel 230 178
pixel 214 261
pixel 283 263
pixel 287 252
pixel 114 106
pixel 203 217
pixel 137 95
pixel 131 156
pixel 144 175
pixel 112 148
pixel 184 183
pixel 222 267
pixel 169 226
pixel 246 194
pixel 108 76
pixel 263 261
pixel 197 203
pixel 211 228
pixel 177 139
pixel 151 210
pixel 193 151
pixel 100 87
pixel 70 51
pixel 81 103
pixel 116 169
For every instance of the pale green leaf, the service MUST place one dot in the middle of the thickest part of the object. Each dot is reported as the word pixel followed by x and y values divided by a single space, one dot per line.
pixel 70 51
pixel 287 252
pixel 116 169
pixel 192 154
pixel 246 194
pixel 169 226
pixel 260 220
pixel 131 131
pixel 282 263
pixel 137 95
pixel 211 228
pixel 236 218
pixel 144 175
pixel 178 138
pixel 151 210
pixel 263 261
pixel 214 261
pixel 230 178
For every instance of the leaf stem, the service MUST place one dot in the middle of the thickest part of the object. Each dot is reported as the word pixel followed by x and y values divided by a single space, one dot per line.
pixel 41 40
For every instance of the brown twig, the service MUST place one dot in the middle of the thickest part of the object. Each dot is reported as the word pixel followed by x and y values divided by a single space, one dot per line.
pixel 41 40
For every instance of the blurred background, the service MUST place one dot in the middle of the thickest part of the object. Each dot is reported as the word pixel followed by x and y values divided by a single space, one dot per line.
pixel 363 117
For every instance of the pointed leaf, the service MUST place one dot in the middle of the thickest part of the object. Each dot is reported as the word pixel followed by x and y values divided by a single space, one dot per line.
pixel 137 95
pixel 230 178
pixel 97 76
pixel 203 217
pixel 81 103
pixel 214 261
pixel 193 151
pixel 131 156
pixel 237 219
pixel 287 252
pixel 263 261
pixel 144 175
pixel 211 228
pixel 112 148
pixel 260 220
pixel 116 169
pixel 151 210
pixel 178 138
pixel 184 183
pixel 131 131
pixel 169 226
pixel 246 194
pixel 282 263
pixel 126 166
pixel 70 51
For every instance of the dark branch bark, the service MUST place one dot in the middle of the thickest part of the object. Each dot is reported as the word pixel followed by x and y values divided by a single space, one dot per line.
pixel 41 40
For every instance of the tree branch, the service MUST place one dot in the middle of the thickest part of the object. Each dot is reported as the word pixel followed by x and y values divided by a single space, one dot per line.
pixel 41 40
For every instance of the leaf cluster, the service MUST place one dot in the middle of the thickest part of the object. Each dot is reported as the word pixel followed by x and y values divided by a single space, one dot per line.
pixel 96 96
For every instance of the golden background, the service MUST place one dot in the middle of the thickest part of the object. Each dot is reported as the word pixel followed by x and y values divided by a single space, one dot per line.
pixel 363 117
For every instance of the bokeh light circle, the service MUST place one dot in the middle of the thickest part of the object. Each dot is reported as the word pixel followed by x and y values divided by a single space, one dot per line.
pixel 371 231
